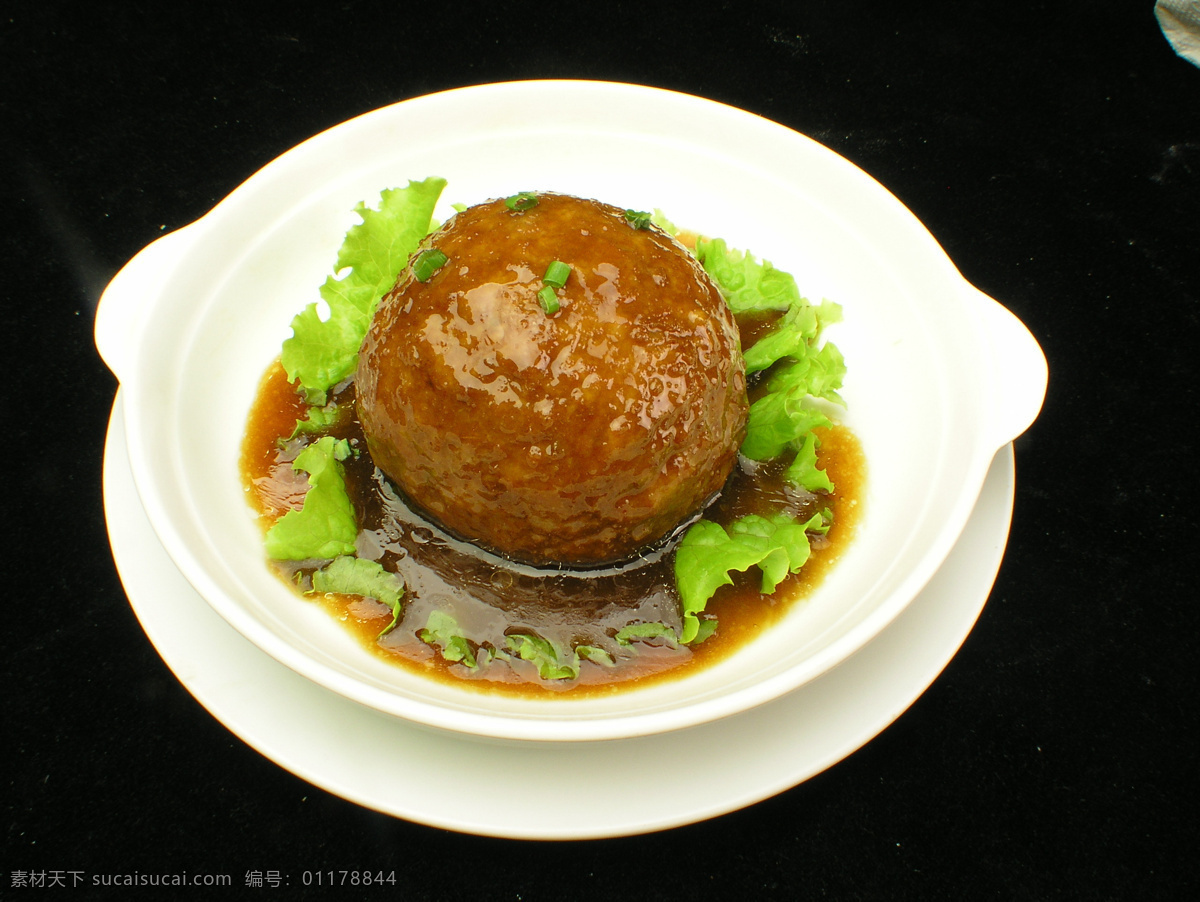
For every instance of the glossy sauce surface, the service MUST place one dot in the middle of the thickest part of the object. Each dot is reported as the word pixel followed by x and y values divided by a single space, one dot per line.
pixel 491 597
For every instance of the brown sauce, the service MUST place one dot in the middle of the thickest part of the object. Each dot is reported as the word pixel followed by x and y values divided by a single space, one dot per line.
pixel 490 597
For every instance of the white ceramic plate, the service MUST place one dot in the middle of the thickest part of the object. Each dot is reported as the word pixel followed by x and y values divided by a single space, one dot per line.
pixel 940 376
pixel 401 769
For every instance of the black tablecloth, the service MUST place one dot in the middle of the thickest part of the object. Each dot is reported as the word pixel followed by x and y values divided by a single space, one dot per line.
pixel 1053 149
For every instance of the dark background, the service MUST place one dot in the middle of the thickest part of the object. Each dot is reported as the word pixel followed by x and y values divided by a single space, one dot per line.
pixel 1053 148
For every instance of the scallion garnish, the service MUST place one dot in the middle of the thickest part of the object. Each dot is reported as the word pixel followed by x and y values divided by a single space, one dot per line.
pixel 638 219
pixel 557 274
pixel 548 299
pixel 521 201
pixel 427 263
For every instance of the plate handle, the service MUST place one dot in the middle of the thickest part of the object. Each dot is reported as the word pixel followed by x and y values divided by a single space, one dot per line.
pixel 1019 373
pixel 120 314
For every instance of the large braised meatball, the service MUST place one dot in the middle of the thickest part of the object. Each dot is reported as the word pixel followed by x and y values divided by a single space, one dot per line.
pixel 575 435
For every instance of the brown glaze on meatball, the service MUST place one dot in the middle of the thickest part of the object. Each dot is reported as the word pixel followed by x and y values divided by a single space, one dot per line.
pixel 576 437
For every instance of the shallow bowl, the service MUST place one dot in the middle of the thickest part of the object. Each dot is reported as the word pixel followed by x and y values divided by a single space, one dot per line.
pixel 940 376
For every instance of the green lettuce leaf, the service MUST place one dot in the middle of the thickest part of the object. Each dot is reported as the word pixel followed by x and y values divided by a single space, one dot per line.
pixel 321 353
pixel 707 627
pixel 795 334
pixel 803 469
pixel 779 421
pixel 818 373
pixel 746 284
pixel 349 575
pixel 594 654
pixel 441 630
pixel 317 420
pixel 782 419
pixel 542 653
pixel 326 526
pixel 706 556
pixel 645 631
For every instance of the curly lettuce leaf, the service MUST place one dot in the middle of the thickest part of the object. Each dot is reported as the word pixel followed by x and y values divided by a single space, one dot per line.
pixel 708 554
pixel 803 470
pixel 644 632
pixel 647 632
pixel 795 335
pixel 349 575
pixel 441 631
pixel 778 422
pixel 323 352
pixel 594 654
pixel 326 526
pixel 707 627
pixel 316 421
pixel 543 655
pixel 782 420
pixel 818 373
pixel 747 284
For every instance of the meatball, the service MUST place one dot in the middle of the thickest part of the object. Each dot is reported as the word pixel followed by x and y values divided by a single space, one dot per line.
pixel 572 432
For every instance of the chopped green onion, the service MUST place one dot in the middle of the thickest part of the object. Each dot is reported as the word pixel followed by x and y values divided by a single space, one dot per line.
pixel 548 299
pixel 638 219
pixel 427 263
pixel 521 201
pixel 557 274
